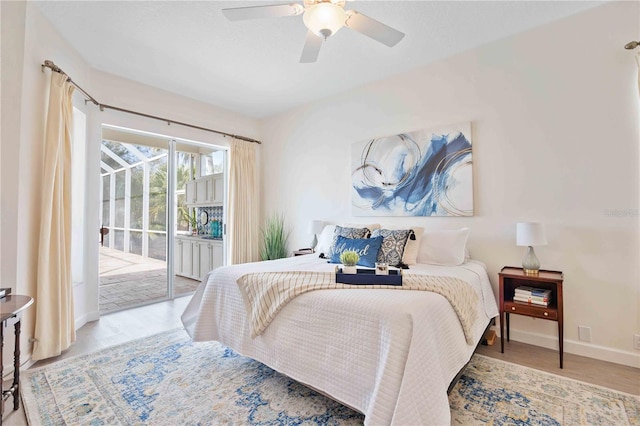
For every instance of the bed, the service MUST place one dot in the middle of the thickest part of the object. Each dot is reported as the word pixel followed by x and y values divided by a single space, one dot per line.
pixel 390 354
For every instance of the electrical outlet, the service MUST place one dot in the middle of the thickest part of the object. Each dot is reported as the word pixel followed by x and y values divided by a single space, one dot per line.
pixel 584 333
pixel 636 341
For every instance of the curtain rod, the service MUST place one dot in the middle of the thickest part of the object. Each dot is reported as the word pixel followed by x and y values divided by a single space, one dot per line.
pixel 55 68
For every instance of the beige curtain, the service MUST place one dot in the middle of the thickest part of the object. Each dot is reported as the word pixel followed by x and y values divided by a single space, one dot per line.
pixel 244 203
pixel 55 324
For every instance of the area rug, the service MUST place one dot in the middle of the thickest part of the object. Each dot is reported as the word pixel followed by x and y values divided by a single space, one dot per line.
pixel 168 380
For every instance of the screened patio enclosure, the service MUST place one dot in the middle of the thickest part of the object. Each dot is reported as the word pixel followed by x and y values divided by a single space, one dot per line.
pixel 135 235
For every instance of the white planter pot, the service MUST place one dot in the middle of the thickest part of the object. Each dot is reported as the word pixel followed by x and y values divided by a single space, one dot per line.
pixel 349 269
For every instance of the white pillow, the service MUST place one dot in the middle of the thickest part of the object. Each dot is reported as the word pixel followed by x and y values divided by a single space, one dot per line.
pixel 325 239
pixel 447 248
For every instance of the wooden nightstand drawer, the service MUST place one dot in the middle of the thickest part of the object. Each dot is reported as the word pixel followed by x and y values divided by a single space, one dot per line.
pixel 533 311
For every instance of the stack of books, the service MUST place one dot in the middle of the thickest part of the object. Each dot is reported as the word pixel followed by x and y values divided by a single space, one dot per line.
pixel 532 295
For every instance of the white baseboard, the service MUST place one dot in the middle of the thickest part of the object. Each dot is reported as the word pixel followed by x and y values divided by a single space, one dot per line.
pixel 88 317
pixel 577 348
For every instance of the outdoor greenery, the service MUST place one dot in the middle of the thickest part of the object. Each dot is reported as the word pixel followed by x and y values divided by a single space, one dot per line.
pixel 274 238
pixel 127 164
pixel 349 258
pixel 157 189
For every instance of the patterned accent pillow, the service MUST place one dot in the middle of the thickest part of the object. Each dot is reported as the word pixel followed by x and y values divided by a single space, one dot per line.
pixel 393 244
pixel 347 233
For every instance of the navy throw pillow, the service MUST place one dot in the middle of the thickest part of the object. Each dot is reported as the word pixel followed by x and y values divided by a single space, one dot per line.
pixel 367 248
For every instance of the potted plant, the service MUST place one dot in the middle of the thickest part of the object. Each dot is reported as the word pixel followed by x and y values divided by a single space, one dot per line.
pixel 191 218
pixel 274 238
pixel 349 259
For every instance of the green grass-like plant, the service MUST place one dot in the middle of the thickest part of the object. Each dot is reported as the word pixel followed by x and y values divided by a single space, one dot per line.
pixel 274 238
pixel 186 216
pixel 349 258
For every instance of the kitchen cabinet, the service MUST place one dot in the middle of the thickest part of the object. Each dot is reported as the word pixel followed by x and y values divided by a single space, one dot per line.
pixel 183 257
pixel 205 191
pixel 202 190
pixel 217 185
pixel 195 256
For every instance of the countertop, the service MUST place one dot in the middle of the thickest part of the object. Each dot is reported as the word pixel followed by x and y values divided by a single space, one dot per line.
pixel 200 237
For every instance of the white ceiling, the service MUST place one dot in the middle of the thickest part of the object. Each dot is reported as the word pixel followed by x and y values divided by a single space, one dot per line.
pixel 252 67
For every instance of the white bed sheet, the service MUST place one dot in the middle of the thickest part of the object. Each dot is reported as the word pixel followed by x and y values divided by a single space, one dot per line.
pixel 389 354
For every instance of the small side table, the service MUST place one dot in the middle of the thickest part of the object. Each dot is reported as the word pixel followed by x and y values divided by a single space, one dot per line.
pixel 512 277
pixel 10 307
pixel 302 252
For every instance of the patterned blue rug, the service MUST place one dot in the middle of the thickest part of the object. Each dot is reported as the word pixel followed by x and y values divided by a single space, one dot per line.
pixel 168 380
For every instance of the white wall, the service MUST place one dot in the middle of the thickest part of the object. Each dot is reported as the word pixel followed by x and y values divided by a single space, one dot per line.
pixel 24 89
pixel 556 134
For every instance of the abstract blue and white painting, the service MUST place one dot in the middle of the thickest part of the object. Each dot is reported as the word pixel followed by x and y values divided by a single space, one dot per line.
pixel 428 172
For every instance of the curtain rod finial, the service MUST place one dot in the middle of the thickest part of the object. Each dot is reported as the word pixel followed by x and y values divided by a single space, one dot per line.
pixel 632 45
pixel 49 64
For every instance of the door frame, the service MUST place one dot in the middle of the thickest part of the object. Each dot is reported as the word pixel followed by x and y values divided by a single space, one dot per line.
pixel 171 226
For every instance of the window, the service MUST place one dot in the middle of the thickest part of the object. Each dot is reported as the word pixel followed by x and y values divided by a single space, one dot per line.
pixel 212 163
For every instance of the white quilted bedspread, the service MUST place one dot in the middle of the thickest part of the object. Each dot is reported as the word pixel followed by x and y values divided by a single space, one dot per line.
pixel 388 354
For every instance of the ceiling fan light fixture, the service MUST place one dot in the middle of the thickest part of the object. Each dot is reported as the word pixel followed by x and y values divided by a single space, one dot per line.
pixel 324 19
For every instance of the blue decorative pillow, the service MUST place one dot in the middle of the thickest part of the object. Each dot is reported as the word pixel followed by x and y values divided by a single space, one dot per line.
pixel 367 248
pixel 341 231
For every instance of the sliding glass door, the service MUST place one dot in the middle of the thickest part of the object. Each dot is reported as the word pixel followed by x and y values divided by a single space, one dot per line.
pixel 135 196
pixel 162 217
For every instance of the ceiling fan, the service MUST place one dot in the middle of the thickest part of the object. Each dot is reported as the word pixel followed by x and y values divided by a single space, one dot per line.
pixel 323 18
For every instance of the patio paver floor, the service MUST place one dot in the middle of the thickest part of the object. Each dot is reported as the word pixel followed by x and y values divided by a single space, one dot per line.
pixel 128 280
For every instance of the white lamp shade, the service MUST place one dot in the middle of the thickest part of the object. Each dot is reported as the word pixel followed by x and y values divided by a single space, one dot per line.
pixel 316 227
pixel 530 234
pixel 324 19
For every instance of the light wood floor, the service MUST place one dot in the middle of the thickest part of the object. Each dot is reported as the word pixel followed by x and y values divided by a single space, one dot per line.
pixel 124 326
pixel 602 373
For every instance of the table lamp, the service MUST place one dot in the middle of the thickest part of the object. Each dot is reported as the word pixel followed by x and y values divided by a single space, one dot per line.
pixel 530 234
pixel 315 228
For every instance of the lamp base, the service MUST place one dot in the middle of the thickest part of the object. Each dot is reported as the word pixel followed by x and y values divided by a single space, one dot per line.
pixel 530 263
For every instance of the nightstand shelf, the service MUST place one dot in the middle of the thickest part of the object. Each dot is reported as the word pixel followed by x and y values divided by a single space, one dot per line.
pixel 302 252
pixel 510 279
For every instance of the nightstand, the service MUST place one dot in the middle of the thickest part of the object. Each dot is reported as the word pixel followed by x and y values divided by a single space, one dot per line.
pixel 302 252
pixel 512 277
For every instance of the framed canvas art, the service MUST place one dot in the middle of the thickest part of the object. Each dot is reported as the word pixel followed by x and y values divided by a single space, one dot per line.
pixel 428 172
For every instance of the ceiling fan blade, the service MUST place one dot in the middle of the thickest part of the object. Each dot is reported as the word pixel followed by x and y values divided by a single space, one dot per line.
pixel 256 12
pixel 372 28
pixel 312 45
